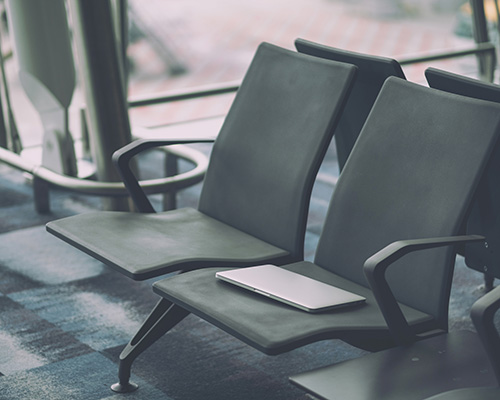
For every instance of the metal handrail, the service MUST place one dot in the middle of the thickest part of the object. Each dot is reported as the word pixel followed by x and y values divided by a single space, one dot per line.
pixel 115 189
pixel 185 94
pixel 481 48
pixel 233 86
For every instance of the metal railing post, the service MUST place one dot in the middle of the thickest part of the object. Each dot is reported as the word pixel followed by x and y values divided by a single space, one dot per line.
pixel 486 62
pixel 101 73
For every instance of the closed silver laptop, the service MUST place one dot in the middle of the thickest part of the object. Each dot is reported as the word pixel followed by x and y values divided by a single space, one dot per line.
pixel 290 288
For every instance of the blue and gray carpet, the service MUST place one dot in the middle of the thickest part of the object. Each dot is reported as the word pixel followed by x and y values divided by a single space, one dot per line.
pixel 65 317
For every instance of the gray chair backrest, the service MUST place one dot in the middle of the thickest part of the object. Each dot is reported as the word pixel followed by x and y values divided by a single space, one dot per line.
pixel 415 180
pixel 484 217
pixel 270 147
pixel 371 75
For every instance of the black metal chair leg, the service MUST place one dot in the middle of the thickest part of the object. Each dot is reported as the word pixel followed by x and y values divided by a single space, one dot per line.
pixel 41 195
pixel 488 282
pixel 171 169
pixel 164 317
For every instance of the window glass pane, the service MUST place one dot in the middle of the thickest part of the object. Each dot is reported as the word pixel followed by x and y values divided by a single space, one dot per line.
pixel 187 43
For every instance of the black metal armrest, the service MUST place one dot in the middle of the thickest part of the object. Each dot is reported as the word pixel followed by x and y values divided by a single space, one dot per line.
pixel 122 157
pixel 376 266
pixel 483 315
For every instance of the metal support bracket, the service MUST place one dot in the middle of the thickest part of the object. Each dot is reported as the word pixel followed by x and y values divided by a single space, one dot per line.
pixel 164 317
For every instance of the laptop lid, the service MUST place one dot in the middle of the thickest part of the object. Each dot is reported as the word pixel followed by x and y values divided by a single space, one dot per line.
pixel 290 288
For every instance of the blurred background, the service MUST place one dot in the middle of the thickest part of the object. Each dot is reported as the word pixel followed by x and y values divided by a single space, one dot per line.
pixel 179 44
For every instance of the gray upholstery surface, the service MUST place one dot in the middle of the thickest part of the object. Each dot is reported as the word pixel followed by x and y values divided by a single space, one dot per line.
pixel 145 245
pixel 371 75
pixel 411 174
pixel 268 325
pixel 484 216
pixel 259 179
pixel 272 143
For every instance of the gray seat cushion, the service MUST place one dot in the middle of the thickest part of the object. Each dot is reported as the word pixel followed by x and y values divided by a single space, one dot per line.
pixel 268 325
pixel 144 245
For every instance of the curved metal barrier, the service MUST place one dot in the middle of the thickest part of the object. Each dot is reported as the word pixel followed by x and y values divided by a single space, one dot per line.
pixel 86 186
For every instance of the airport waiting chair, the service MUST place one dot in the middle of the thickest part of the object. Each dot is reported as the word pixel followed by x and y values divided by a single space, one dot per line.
pixel 254 201
pixel 459 365
pixel 400 184
pixel 371 75
pixel 255 198
pixel 484 217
